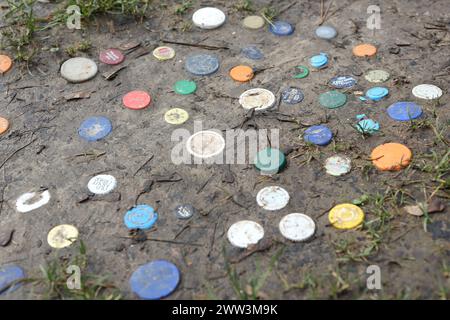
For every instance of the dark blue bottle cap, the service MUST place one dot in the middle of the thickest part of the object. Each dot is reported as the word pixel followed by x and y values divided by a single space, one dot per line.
pixel 155 280
pixel 292 95
pixel 343 82
pixel 281 28
pixel 404 111
pixel 140 217
pixel 319 135
pixel 8 275
pixel 95 128
pixel 202 64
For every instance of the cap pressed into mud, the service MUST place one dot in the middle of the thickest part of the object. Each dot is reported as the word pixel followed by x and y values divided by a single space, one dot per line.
pixel 164 53
pixel 32 200
pixel 205 144
pixel 270 161
pixel 185 87
pixel 253 22
pixel 342 82
pixel 202 64
pixel 319 135
pixel 338 165
pixel 319 61
pixel 377 93
pixel 377 76
pixel 366 125
pixel 292 95
pixel 332 99
pixel 404 111
pixel 281 28
pixel 155 280
pixel 102 184
pixel 62 236
pixel 346 216
pixel 272 198
pixel 176 116
pixel 5 63
pixel 258 99
pixel 326 32
pixel 241 73
pixel 136 100
pixel 427 91
pixel 111 56
pixel 297 227
pixel 391 156
pixel 4 125
pixel 208 18
pixel 244 233
pixel 252 52
pixel 140 217
pixel 10 274
pixel 79 69
pixel 95 128
pixel 364 50
pixel 302 72
pixel 184 211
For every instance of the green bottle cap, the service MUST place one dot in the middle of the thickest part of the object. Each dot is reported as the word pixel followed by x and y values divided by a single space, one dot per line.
pixel 270 161
pixel 332 99
pixel 303 72
pixel 185 87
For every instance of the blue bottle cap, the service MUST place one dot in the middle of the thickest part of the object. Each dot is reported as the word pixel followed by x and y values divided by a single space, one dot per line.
pixel 95 128
pixel 368 126
pixel 319 135
pixel 404 111
pixel 281 28
pixel 140 217
pixel 202 64
pixel 343 82
pixel 377 93
pixel 9 274
pixel 319 60
pixel 252 52
pixel 155 280
pixel 292 95
pixel 326 32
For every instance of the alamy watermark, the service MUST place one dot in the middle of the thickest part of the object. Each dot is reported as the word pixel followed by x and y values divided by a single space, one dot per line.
pixel 74 17
pixel 374 20
pixel 74 280
pixel 374 280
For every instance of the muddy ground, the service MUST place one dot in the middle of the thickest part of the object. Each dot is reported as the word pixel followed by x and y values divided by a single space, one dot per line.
pixel 414 263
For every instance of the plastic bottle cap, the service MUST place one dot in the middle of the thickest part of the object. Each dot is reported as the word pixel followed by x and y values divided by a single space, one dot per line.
pixel 164 53
pixel 377 93
pixel 102 184
pixel 136 100
pixel 427 91
pixel 297 227
pixel 244 233
pixel 140 217
pixel 4 125
pixel 202 64
pixel 303 72
pixel 78 70
pixel 253 22
pixel 184 211
pixel 205 144
pixel 176 116
pixel 281 28
pixel 185 87
pixel 338 165
pixel 208 18
pixel 319 61
pixel 343 82
pixel 258 99
pixel 368 126
pixel 404 111
pixel 391 156
pixel 292 95
pixel 62 236
pixel 95 128
pixel 270 161
pixel 346 216
pixel 155 280
pixel 332 99
pixel 241 73
pixel 377 76
pixel 272 198
pixel 252 52
pixel 8 275
pixel 5 63
pixel 326 32
pixel 111 56
pixel 364 50
pixel 319 135
pixel 24 203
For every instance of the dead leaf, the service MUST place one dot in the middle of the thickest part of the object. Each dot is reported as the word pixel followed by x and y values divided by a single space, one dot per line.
pixel 77 95
pixel 414 210
pixel 435 205
pixel 6 237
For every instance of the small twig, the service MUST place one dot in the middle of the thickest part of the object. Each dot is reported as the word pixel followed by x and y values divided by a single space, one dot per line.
pixel 142 166
pixel 204 46
pixel 12 154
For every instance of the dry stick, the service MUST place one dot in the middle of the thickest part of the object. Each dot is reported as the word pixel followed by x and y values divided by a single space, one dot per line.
pixel 12 154
pixel 324 16
pixel 145 163
pixel 204 46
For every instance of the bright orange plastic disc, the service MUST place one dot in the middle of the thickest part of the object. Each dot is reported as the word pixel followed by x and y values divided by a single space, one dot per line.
pixel 364 50
pixel 5 63
pixel 391 156
pixel 241 73
pixel 4 125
